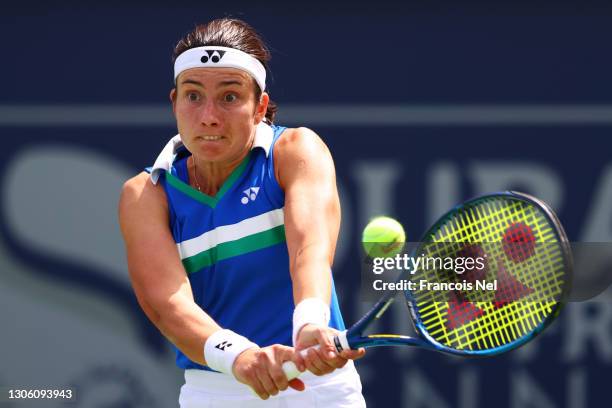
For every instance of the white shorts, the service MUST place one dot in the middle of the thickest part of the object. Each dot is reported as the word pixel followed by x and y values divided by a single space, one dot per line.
pixel 339 389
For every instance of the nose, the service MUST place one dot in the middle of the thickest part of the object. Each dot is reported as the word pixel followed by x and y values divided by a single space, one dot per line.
pixel 209 114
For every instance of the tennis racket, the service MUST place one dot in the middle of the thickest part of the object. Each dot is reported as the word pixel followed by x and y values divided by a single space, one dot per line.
pixel 523 247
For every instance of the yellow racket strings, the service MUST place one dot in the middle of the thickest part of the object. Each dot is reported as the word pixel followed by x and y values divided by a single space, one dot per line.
pixel 477 320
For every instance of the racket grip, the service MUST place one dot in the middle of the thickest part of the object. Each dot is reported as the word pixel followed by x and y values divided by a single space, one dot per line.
pixel 291 370
pixel 289 367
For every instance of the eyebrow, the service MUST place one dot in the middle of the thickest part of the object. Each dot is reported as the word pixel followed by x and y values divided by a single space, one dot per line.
pixel 222 83
pixel 230 82
pixel 191 81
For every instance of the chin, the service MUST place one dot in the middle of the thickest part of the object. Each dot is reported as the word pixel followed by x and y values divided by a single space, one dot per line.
pixel 211 155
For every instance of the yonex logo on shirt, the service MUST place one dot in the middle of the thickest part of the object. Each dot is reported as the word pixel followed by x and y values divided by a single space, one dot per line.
pixel 222 346
pixel 250 194
pixel 213 56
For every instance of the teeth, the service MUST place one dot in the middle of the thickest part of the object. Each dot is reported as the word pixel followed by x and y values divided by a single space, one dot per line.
pixel 211 137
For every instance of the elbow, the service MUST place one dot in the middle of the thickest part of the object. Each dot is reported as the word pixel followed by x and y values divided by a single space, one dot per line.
pixel 150 309
pixel 160 310
pixel 166 316
pixel 319 252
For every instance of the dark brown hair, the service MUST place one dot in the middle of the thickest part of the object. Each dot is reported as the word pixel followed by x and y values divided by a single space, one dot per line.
pixel 231 33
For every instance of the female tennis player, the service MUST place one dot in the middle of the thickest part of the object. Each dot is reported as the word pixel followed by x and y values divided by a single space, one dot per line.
pixel 230 236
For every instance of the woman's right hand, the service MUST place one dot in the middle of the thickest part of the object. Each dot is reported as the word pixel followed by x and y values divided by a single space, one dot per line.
pixel 261 369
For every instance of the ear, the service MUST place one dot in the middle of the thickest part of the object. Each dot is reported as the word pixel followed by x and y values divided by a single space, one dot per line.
pixel 262 107
pixel 173 100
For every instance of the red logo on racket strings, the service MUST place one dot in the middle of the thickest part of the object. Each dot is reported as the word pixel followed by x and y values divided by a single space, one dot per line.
pixel 460 310
pixel 518 245
pixel 519 242
pixel 509 288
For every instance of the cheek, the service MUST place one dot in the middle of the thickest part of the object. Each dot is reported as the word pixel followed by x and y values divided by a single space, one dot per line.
pixel 181 122
pixel 180 112
pixel 186 116
pixel 238 117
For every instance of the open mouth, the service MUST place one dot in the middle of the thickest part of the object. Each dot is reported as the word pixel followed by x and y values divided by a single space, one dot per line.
pixel 211 138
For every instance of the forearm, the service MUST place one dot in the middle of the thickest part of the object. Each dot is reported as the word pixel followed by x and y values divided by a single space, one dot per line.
pixel 311 273
pixel 183 323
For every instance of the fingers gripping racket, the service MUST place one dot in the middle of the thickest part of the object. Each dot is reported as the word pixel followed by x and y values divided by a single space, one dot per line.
pixel 526 252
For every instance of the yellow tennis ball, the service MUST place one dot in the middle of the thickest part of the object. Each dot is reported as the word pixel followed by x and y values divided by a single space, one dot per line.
pixel 383 237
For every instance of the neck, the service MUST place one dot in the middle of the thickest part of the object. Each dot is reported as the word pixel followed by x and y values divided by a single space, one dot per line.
pixel 208 177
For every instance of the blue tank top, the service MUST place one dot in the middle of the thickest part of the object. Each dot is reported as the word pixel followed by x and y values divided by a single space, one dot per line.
pixel 234 251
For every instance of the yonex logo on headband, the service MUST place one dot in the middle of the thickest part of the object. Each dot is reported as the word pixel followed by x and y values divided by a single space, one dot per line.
pixel 212 56
pixel 221 57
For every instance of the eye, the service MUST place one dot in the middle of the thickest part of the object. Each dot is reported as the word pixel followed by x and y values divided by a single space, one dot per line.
pixel 193 96
pixel 230 97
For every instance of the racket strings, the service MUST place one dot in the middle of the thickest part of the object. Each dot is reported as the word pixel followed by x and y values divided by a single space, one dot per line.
pixel 522 253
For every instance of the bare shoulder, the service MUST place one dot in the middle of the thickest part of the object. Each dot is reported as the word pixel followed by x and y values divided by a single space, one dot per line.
pixel 301 154
pixel 300 142
pixel 139 198
pixel 134 186
pixel 139 187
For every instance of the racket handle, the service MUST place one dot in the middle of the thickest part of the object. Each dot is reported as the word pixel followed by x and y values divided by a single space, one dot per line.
pixel 289 367
pixel 291 370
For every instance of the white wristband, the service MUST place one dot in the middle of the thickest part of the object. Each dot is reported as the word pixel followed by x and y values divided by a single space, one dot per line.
pixel 309 311
pixel 222 348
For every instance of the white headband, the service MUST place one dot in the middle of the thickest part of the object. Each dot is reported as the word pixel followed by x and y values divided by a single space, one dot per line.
pixel 220 57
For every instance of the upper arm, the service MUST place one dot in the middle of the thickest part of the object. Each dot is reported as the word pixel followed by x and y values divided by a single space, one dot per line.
pixel 312 209
pixel 154 265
